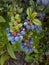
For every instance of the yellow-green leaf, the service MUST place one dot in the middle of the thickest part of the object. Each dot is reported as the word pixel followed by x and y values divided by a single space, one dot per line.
pixel 29 12
pixel 37 22
pixel 11 51
pixel 20 10
pixel 2 19
pixel 33 15
pixel 1 9
pixel 12 28
pixel 12 19
pixel 4 57
pixel 19 25
pixel 17 17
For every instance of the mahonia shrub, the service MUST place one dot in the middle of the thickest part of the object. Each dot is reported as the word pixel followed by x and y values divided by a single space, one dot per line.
pixel 21 29
pixel 24 33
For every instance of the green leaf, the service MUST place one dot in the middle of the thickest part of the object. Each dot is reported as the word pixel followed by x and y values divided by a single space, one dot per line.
pixel 36 41
pixel 2 19
pixel 29 12
pixel 33 15
pixel 18 47
pixel 12 29
pixel 46 10
pixel 1 9
pixel 17 17
pixel 32 3
pixel 4 58
pixel 10 51
pixel 38 8
pixel 19 25
pixel 12 19
pixel 20 10
pixel 28 58
pixel 6 0
pixel 37 22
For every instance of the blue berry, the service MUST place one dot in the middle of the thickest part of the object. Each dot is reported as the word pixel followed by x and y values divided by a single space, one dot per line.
pixel 28 26
pixel 23 32
pixel 13 42
pixel 18 34
pixel 38 29
pixel 8 30
pixel 25 23
pixel 10 38
pixel 21 38
pixel 26 49
pixel 23 29
pixel 17 39
pixel 9 34
pixel 22 47
pixel 31 41
pixel 31 49
pixel 32 26
pixel 24 44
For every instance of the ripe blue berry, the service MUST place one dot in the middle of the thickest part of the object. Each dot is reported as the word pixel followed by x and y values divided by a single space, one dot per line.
pixel 26 49
pixel 23 32
pixel 31 49
pixel 25 23
pixel 17 39
pixel 8 30
pixel 21 38
pixel 18 34
pixel 31 40
pixel 10 38
pixel 32 26
pixel 28 27
pixel 38 29
pixel 24 44
pixel 13 42
pixel 9 34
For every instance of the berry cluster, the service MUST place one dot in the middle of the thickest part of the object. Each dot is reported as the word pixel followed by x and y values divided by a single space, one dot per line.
pixel 28 46
pixel 22 32
pixel 18 36
pixel 29 26
pixel 14 37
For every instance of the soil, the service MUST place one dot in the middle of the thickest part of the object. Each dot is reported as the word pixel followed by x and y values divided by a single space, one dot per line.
pixel 19 61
